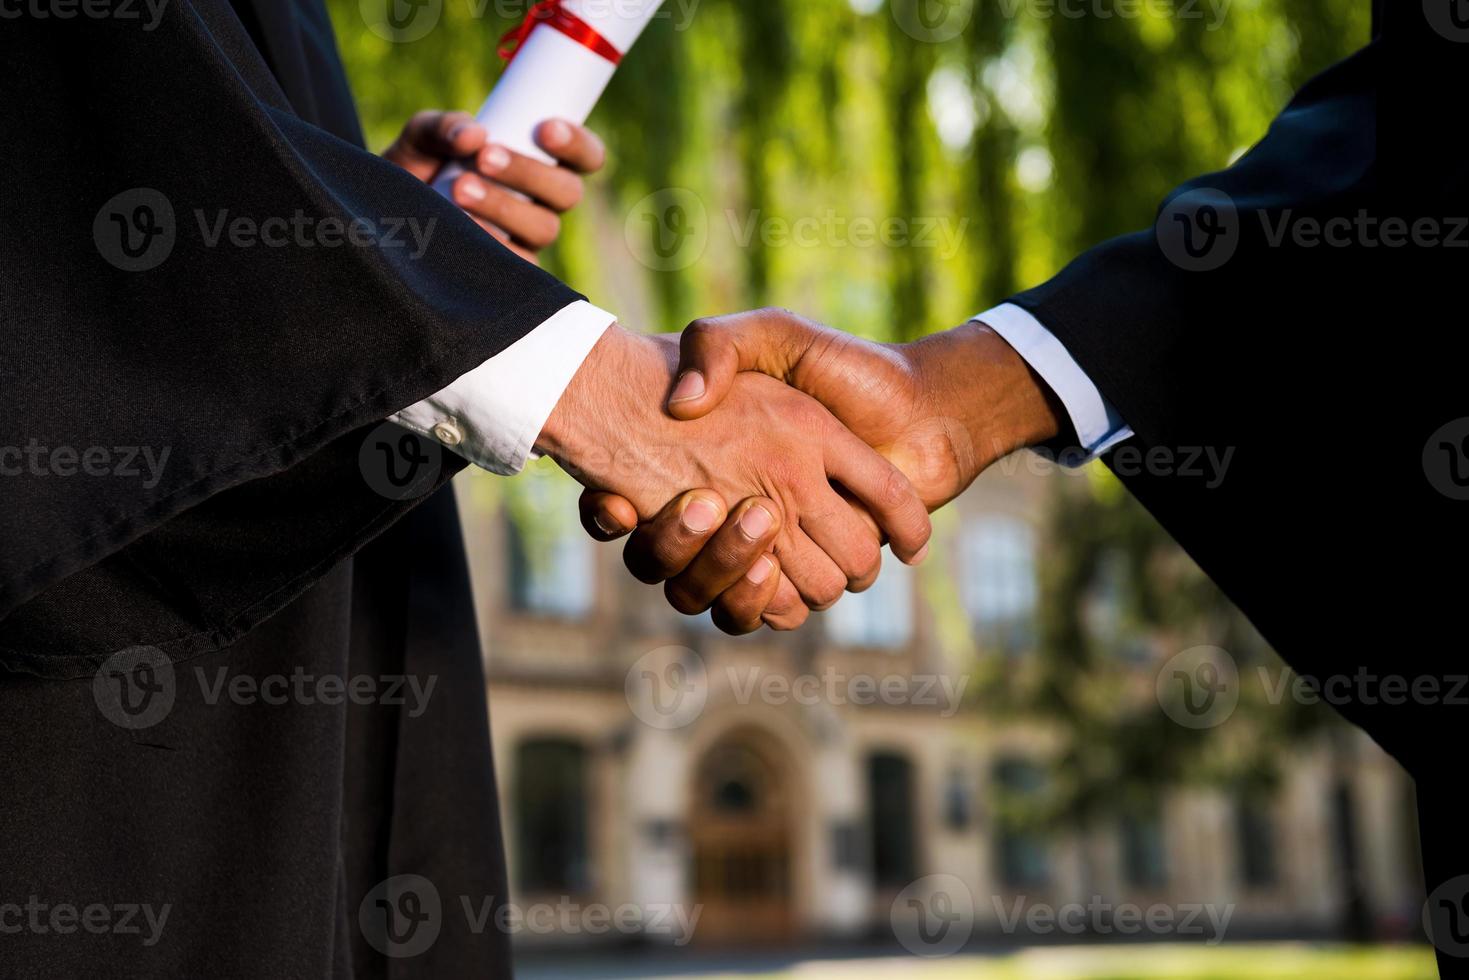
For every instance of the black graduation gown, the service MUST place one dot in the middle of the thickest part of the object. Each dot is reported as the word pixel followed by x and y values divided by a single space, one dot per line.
pixel 153 824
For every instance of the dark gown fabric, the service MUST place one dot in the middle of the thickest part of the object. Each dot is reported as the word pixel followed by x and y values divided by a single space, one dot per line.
pixel 1329 373
pixel 253 828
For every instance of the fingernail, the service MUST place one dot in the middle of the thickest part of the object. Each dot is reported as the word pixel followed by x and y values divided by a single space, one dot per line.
pixel 690 386
pixel 454 133
pixel 918 558
pixel 761 570
pixel 555 133
pixel 755 522
pixel 496 159
pixel 605 526
pixel 472 189
pixel 700 515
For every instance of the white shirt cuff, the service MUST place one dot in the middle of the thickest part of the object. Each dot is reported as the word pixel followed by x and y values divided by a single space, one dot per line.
pixel 493 415
pixel 1098 426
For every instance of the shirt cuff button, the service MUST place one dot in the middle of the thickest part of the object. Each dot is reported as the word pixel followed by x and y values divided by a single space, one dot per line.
pixel 447 432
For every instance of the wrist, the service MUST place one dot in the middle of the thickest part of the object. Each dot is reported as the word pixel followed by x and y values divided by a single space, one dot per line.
pixel 611 408
pixel 977 379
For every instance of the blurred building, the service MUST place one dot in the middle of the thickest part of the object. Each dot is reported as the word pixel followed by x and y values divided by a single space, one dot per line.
pixel 646 758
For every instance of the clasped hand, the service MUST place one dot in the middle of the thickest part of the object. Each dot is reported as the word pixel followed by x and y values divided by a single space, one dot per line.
pixel 808 445
pixel 809 501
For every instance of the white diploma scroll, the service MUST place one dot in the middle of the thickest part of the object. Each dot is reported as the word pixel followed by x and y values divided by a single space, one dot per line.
pixel 553 76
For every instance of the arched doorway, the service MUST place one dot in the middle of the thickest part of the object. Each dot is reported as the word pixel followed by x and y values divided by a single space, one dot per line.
pixel 740 832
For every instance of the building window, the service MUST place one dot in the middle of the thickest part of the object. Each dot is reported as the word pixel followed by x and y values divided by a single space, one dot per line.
pixel 1144 855
pixel 890 801
pixel 998 583
pixel 880 617
pixel 1105 610
pixel 551 560
pixel 846 846
pixel 1021 850
pixel 551 817
pixel 958 802
pixel 1254 831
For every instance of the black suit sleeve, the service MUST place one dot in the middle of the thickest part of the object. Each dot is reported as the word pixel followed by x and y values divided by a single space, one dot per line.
pixel 192 273
pixel 1156 318
pixel 1286 388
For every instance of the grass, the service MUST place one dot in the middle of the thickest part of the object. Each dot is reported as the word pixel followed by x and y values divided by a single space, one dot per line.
pixel 1274 961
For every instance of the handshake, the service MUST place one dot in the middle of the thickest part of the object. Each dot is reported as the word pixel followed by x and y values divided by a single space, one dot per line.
pixel 761 459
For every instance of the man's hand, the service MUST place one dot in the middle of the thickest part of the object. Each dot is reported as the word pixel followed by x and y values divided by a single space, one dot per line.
pixel 767 441
pixel 702 554
pixel 526 223
pixel 942 408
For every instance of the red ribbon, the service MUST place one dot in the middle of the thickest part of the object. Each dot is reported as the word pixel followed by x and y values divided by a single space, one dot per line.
pixel 551 13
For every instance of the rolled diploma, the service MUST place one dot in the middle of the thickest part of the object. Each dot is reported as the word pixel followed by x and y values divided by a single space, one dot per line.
pixel 553 76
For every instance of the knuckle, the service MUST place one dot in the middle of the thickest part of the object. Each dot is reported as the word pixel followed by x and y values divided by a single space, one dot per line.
pixel 447 121
pixel 737 628
pixel 922 528
pixel 866 563
pixel 681 598
pixel 638 571
pixel 808 415
pixel 547 230
pixel 786 470
pixel 492 206
pixel 825 592
pixel 573 194
pixel 699 330
pixel 731 553
pixel 593 152
pixel 667 556
pixel 730 618
pixel 895 491
pixel 638 561
pixel 788 619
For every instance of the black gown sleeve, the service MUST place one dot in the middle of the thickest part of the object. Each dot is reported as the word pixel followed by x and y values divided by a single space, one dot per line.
pixel 193 274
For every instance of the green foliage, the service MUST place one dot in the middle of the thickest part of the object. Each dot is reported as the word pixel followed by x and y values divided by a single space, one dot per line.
pixel 1093 684
pixel 796 109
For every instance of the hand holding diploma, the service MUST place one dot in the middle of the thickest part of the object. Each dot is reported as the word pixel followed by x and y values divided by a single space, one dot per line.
pixel 516 199
pixel 561 59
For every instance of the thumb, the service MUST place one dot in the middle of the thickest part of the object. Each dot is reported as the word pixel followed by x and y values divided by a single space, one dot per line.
pixel 431 137
pixel 708 361
pixel 606 516
pixel 715 349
